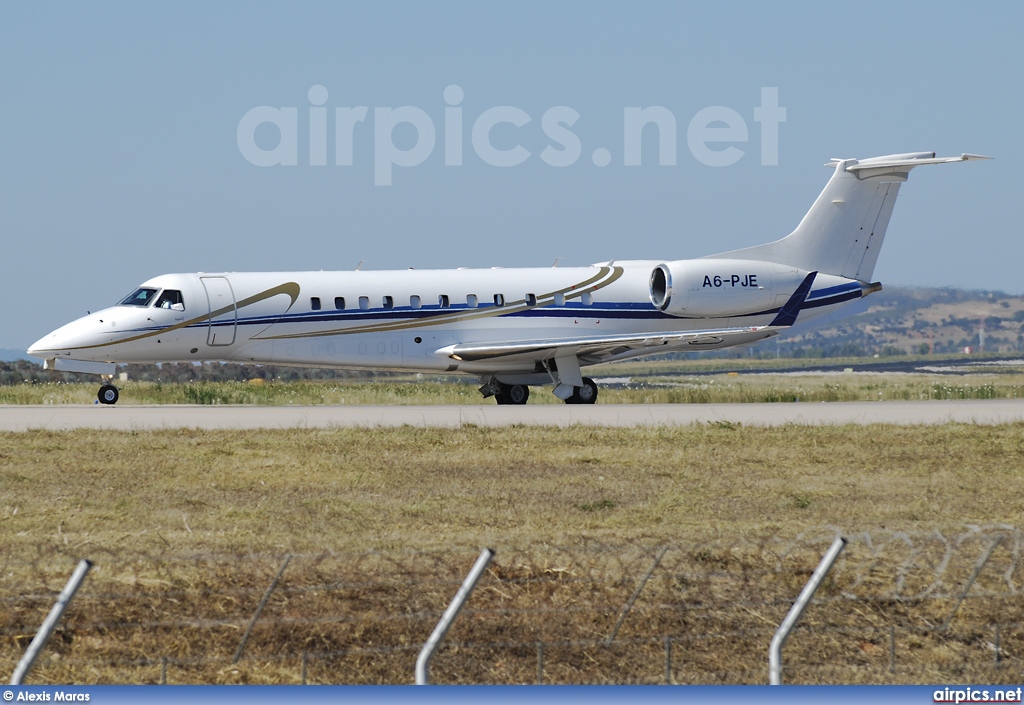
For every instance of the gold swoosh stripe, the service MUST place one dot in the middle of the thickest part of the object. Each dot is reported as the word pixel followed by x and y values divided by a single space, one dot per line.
pixel 604 277
pixel 289 288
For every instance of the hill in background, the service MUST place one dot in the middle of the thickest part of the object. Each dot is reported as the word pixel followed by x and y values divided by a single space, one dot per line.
pixel 901 321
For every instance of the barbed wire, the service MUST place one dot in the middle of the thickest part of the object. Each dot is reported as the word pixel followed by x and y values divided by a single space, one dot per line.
pixel 675 660
pixel 693 610
pixel 866 550
pixel 888 585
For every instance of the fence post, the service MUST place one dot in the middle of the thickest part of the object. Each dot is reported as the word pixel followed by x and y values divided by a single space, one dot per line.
pixel 540 663
pixel 427 652
pixel 163 671
pixel 259 609
pixel 797 610
pixel 56 612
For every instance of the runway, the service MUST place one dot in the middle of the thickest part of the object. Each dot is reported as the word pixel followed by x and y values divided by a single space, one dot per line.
pixel 127 418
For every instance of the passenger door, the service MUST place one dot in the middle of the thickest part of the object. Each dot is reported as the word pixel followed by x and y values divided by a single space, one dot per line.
pixel 223 311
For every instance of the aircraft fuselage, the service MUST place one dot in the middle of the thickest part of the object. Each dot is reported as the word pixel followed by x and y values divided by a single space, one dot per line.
pixel 405 319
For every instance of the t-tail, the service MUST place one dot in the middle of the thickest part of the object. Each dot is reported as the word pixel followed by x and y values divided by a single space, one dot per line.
pixel 843 231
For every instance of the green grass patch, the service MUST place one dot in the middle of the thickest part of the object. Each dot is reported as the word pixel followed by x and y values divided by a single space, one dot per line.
pixel 717 389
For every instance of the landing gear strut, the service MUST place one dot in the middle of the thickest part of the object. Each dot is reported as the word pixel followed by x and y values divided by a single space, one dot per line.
pixel 108 394
pixel 587 394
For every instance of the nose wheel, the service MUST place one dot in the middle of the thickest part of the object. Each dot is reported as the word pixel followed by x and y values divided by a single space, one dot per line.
pixel 108 394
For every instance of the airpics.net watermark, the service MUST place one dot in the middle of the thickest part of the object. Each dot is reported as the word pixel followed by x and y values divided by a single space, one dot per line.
pixel 711 135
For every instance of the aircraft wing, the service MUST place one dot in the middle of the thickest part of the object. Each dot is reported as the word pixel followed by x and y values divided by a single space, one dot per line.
pixel 600 348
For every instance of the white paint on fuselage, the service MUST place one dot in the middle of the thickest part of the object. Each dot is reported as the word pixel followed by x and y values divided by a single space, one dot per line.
pixel 277 330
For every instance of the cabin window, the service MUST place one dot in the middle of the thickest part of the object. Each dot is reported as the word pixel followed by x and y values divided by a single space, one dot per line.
pixel 499 299
pixel 414 301
pixel 139 297
pixel 339 303
pixel 442 301
pixel 559 299
pixel 587 299
pixel 471 300
pixel 389 302
pixel 314 303
pixel 531 299
pixel 364 303
pixel 171 299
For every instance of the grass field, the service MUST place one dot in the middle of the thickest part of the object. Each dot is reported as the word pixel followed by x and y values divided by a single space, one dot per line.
pixel 667 388
pixel 187 528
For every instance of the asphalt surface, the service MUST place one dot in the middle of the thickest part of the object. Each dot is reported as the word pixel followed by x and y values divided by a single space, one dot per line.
pixel 126 418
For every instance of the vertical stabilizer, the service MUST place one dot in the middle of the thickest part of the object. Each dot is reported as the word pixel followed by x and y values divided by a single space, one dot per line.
pixel 843 231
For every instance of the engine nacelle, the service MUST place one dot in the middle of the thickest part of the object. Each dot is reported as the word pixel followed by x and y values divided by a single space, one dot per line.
pixel 713 288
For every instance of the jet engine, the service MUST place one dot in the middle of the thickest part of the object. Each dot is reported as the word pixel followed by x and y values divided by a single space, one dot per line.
pixel 715 288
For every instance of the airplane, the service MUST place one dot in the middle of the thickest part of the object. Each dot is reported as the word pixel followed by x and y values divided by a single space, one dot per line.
pixel 514 328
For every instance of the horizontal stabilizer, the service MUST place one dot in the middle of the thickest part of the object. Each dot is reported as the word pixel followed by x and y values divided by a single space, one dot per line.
pixel 900 161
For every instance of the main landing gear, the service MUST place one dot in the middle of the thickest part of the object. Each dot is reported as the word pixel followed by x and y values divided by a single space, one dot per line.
pixel 587 394
pixel 520 393
pixel 512 394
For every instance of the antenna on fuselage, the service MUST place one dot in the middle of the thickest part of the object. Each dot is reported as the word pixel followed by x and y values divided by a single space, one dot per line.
pixel 557 260
pixel 360 265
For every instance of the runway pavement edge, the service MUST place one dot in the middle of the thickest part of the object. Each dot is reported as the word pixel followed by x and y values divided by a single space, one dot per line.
pixel 126 418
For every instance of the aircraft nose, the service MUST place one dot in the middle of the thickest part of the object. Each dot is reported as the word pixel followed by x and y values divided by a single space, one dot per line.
pixel 49 345
pixel 77 334
pixel 36 347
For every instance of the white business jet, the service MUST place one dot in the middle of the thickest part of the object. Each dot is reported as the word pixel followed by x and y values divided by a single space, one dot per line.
pixel 513 327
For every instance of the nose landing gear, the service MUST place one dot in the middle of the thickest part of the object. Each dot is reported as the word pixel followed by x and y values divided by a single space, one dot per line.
pixel 108 394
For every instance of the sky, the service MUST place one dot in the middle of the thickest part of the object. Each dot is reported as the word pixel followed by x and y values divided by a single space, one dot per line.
pixel 133 137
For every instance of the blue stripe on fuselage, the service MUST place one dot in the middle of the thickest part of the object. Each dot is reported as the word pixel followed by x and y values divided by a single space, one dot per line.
pixel 609 310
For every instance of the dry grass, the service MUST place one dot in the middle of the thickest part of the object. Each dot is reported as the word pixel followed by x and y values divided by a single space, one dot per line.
pixel 188 527
pixel 668 388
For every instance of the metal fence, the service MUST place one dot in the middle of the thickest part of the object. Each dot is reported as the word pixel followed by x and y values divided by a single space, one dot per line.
pixel 897 608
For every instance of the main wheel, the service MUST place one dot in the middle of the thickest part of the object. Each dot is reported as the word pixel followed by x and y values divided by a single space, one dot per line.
pixel 587 394
pixel 108 394
pixel 513 394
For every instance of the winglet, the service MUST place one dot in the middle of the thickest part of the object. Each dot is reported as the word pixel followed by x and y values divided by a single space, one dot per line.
pixel 787 314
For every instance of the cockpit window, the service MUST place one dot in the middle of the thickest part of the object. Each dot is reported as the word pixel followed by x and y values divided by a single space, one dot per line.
pixel 139 297
pixel 171 298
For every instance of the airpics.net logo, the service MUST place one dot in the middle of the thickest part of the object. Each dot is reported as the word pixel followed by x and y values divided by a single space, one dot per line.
pixel 712 134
